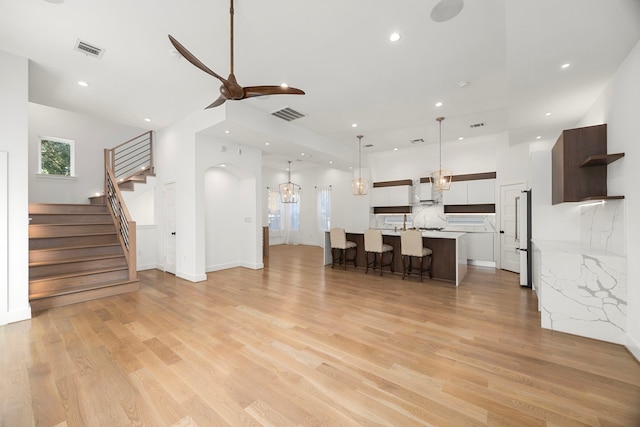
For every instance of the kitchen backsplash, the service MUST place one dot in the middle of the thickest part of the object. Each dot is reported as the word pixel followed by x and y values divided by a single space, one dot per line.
pixel 432 216
pixel 602 226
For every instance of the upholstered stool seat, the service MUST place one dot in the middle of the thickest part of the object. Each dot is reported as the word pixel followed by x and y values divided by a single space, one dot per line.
pixel 411 247
pixel 341 245
pixel 373 244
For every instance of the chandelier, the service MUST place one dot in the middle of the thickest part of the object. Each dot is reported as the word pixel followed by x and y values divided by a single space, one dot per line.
pixel 360 185
pixel 441 178
pixel 289 192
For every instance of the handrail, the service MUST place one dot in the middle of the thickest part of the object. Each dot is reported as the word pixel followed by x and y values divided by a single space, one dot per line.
pixel 125 226
pixel 131 157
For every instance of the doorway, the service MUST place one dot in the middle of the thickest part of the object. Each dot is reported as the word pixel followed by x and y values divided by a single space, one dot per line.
pixel 170 256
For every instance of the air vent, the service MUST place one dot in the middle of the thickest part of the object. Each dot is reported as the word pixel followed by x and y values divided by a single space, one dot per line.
pixel 89 49
pixel 417 141
pixel 288 114
pixel 477 125
pixel 368 145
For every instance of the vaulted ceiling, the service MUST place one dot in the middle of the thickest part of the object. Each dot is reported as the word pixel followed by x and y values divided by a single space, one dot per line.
pixel 496 66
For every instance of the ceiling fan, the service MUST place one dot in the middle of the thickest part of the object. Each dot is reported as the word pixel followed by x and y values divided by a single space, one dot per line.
pixel 230 89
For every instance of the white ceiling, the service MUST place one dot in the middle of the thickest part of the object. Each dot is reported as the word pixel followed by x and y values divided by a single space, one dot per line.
pixel 338 52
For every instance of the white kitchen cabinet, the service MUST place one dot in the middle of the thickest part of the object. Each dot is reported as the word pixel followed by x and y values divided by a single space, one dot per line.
pixel 399 195
pixel 456 195
pixel 481 191
pixel 480 248
pixel 476 192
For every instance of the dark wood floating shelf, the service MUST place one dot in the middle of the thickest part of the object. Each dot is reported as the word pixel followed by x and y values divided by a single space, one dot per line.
pixel 487 208
pixel 601 159
pixel 586 199
pixel 391 209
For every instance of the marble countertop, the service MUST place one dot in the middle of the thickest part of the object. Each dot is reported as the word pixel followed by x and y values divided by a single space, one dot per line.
pixel 572 247
pixel 432 234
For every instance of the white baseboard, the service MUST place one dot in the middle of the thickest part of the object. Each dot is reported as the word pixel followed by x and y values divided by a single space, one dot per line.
pixel 150 266
pixel 633 346
pixel 15 316
pixel 191 277
pixel 224 266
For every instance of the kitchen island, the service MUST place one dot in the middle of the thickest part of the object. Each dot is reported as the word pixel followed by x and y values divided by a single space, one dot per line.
pixel 449 259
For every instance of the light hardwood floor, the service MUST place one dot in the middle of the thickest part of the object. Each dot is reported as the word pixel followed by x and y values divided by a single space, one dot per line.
pixel 299 343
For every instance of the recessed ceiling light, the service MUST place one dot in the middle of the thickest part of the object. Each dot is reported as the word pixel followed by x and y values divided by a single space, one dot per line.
pixel 538 137
pixel 395 149
pixel 354 125
pixel 330 162
pixel 266 143
pixel 460 138
pixel 147 119
pixel 350 167
pixel 226 131
pixel 394 37
pixel 567 65
pixel 438 104
pixel 547 114
pixel 302 154
pixel 83 84
pixel 223 165
pixel 284 85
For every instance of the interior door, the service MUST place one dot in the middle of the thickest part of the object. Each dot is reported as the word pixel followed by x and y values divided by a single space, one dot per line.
pixel 170 228
pixel 509 244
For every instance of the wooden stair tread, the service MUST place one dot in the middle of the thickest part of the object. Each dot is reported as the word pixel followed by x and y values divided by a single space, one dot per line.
pixel 73 247
pixel 77 274
pixel 82 288
pixel 75 259
pixel 102 233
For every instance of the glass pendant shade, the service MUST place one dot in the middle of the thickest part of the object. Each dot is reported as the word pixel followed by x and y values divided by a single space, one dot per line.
pixel 289 192
pixel 359 186
pixel 441 179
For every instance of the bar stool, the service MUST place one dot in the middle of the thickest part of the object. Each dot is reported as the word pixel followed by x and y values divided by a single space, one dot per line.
pixel 339 241
pixel 411 246
pixel 373 244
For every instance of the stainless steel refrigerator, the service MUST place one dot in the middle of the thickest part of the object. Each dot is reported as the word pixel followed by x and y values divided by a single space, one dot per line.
pixel 523 236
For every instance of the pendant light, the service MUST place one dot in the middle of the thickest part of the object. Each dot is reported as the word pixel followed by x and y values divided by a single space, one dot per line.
pixel 359 186
pixel 441 179
pixel 289 192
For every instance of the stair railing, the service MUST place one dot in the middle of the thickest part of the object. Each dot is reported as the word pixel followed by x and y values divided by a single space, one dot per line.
pixel 125 227
pixel 131 157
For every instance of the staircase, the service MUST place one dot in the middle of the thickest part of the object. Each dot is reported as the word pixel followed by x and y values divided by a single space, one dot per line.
pixel 74 255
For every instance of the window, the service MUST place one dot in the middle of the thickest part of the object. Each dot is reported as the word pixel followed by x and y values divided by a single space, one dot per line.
pixel 274 211
pixel 324 209
pixel 56 157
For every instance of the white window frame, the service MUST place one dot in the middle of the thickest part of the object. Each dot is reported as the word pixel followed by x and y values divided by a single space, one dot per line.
pixel 72 156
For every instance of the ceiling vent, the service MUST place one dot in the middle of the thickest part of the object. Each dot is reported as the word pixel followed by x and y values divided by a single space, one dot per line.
pixel 368 145
pixel 417 141
pixel 477 125
pixel 288 114
pixel 88 49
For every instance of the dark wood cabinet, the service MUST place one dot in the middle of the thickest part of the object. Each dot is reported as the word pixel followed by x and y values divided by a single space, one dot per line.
pixel 579 162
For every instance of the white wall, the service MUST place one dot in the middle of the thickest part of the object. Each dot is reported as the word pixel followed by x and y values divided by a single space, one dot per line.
pixel 619 107
pixel 176 157
pixel 473 155
pixel 14 267
pixel 90 135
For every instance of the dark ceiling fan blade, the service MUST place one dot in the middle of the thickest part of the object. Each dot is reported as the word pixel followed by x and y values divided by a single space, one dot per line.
pixel 251 91
pixel 195 61
pixel 221 99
